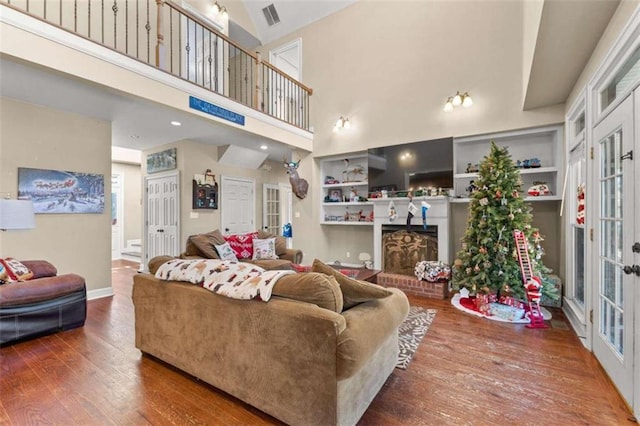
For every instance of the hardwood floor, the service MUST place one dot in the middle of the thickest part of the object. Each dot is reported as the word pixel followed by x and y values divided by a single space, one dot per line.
pixel 467 371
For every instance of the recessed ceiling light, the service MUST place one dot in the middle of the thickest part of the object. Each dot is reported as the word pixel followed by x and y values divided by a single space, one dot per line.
pixel 176 123
pixel 134 136
pixel 263 147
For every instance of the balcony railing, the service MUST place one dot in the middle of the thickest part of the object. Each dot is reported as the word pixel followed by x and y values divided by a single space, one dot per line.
pixel 166 36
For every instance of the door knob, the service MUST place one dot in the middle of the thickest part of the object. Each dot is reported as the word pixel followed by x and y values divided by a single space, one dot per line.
pixel 226 229
pixel 160 230
pixel 635 269
pixel 635 248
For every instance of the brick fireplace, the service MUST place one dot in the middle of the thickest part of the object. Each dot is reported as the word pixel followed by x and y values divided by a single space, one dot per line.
pixel 402 249
pixel 433 244
pixel 437 221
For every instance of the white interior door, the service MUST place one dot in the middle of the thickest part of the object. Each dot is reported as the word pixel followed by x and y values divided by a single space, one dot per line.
pixel 162 213
pixel 615 224
pixel 237 205
pixel 117 215
pixel 285 97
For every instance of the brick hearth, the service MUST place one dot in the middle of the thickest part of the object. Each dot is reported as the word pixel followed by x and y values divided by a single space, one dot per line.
pixel 413 286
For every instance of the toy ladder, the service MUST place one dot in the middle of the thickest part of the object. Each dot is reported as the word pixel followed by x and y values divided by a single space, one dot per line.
pixel 535 315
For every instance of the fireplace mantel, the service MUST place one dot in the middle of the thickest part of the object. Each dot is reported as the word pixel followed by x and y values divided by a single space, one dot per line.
pixel 438 215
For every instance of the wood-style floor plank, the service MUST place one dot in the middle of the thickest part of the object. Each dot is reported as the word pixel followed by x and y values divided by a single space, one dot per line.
pixel 467 371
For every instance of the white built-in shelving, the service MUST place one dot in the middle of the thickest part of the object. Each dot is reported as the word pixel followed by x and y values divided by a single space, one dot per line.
pixel 342 182
pixel 543 143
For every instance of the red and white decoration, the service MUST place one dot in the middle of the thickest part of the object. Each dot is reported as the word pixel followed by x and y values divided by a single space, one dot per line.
pixel 581 205
pixel 242 244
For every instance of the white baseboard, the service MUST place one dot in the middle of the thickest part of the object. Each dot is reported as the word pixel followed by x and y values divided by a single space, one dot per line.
pixel 99 293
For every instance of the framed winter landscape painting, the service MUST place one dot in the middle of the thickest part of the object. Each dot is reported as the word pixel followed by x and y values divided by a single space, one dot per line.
pixel 54 191
pixel 161 161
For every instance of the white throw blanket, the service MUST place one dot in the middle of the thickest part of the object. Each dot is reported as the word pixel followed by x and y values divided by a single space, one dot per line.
pixel 237 280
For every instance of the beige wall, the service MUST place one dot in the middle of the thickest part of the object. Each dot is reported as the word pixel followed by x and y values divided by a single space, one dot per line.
pixel 384 65
pixel 616 25
pixel 194 158
pixel 132 200
pixel 38 137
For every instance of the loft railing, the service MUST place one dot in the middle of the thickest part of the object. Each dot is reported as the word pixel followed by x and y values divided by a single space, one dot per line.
pixel 166 36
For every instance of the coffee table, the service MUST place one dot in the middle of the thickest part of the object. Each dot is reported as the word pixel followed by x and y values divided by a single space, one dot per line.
pixel 363 274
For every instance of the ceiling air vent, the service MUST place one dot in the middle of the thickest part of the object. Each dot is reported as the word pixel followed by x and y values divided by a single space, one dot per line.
pixel 271 15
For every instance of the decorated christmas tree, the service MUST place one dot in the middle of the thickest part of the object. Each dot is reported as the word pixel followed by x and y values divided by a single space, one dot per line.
pixel 488 260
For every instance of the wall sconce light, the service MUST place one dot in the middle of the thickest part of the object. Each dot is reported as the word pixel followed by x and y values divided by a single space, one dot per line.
pixel 16 214
pixel 342 124
pixel 457 100
pixel 217 9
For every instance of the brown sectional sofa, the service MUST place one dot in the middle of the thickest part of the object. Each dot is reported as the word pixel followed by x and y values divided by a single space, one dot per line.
pixel 301 357
pixel 203 246
pixel 44 304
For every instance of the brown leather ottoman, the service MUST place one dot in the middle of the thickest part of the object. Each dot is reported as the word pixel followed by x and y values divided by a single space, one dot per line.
pixel 42 305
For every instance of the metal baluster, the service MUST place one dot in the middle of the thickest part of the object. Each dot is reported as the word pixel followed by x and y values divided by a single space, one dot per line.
pixel 148 28
pixel 115 24
pixel 215 64
pixel 187 50
pixel 126 27
pixel 137 29
pixel 45 10
pixel 171 39
pixel 89 19
pixel 75 16
pixel 60 11
pixel 102 25
pixel 210 60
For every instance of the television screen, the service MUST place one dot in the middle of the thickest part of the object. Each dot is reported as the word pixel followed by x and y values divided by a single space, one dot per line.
pixel 412 166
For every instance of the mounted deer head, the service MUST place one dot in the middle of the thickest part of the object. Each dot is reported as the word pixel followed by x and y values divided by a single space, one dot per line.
pixel 299 185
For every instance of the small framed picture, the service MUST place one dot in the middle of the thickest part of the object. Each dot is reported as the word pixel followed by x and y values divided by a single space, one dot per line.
pixel 335 195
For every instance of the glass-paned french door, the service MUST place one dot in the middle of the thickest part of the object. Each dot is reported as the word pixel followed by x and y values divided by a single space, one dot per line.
pixel 271 213
pixel 611 223
pixel 615 224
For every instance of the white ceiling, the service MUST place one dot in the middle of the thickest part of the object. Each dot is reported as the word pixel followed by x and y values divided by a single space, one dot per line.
pixel 294 14
pixel 568 33
pixel 136 123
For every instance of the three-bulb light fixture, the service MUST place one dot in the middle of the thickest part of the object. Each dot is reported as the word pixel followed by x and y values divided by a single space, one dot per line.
pixel 458 99
pixel 342 124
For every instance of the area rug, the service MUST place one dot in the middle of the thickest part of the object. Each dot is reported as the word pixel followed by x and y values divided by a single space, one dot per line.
pixel 411 332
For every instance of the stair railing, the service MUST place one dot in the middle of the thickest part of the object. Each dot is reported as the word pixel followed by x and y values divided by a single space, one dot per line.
pixel 164 35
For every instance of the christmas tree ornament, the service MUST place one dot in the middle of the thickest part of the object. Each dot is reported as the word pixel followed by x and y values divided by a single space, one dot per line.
pixel 484 201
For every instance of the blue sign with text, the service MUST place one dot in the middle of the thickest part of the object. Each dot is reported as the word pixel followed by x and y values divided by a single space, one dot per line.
pixel 204 106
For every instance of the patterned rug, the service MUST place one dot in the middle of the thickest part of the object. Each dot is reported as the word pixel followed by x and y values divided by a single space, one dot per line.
pixel 411 333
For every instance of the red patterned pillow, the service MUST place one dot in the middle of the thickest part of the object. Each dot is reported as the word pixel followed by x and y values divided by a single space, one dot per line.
pixel 16 270
pixel 242 244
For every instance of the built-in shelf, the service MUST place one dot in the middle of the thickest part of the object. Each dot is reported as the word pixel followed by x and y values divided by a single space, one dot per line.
pixel 543 143
pixel 527 199
pixel 337 222
pixel 355 203
pixel 345 184
pixel 352 185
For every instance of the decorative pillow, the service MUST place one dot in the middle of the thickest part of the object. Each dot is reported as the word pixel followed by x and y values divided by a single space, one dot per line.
pixel 40 268
pixel 354 292
pixel 242 244
pixel 205 243
pixel 4 274
pixel 264 249
pixel 311 287
pixel 281 242
pixel 226 252
pixel 16 270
